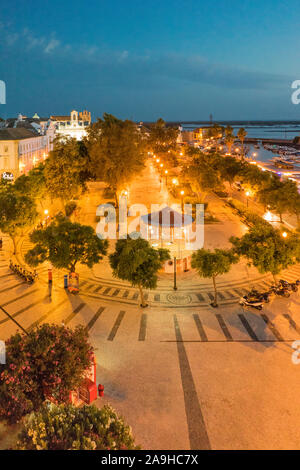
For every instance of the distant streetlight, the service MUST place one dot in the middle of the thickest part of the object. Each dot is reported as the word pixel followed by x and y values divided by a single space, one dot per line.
pixel 182 195
pixel 284 234
pixel 166 173
pixel 157 160
pixel 174 181
pixel 46 212
pixel 247 197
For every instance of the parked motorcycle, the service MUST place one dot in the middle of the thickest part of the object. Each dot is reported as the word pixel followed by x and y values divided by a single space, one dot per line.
pixel 245 302
pixel 280 290
pixel 259 296
pixel 292 286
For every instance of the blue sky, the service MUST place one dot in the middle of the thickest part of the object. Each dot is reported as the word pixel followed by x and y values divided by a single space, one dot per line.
pixel 179 59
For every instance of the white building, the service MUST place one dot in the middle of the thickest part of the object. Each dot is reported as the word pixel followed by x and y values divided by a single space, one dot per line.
pixel 74 125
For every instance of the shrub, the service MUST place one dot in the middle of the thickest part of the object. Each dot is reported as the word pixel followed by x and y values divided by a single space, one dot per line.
pixel 65 427
pixel 49 362
pixel 70 208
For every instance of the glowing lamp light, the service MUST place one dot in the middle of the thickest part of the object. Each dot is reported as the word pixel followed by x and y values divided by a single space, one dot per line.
pixel 284 234
pixel 157 160
pixel 46 212
pixel 247 193
pixel 268 216
pixel 182 193
pixel 174 181
pixel 166 172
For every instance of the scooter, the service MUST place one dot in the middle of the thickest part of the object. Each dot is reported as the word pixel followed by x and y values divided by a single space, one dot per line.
pixel 293 286
pixel 254 295
pixel 280 290
pixel 257 304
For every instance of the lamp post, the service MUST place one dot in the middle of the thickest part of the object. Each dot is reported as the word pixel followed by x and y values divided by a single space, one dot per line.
pixel 247 197
pixel 166 173
pixel 175 268
pixel 182 195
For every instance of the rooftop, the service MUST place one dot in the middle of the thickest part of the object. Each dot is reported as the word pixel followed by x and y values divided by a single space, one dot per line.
pixel 17 134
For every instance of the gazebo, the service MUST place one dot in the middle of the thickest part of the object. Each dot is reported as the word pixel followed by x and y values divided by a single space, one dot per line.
pixel 169 225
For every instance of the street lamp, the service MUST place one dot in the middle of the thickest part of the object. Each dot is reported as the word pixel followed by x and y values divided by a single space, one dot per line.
pixel 46 212
pixel 247 197
pixel 174 181
pixel 182 194
pixel 284 234
pixel 166 173
pixel 157 160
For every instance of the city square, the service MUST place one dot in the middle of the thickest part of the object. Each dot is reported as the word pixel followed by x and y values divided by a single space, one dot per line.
pixel 150 269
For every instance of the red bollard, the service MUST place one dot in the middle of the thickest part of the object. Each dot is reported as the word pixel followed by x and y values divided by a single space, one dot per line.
pixel 101 390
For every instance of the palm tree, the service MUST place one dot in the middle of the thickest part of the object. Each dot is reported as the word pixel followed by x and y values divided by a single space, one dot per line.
pixel 242 134
pixel 229 141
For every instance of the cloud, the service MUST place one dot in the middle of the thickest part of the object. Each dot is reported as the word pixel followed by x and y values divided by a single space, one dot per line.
pixel 52 44
pixel 130 70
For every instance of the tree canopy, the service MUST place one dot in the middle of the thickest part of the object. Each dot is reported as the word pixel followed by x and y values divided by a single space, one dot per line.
pixel 17 213
pixel 266 249
pixel 135 260
pixel 117 152
pixel 210 264
pixel 65 244
pixel 67 169
pixel 162 138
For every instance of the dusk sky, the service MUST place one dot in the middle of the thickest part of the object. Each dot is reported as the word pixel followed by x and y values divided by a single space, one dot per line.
pixel 178 59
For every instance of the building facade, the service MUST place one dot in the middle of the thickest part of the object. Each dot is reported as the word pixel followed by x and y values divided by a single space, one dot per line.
pixel 21 149
pixel 74 125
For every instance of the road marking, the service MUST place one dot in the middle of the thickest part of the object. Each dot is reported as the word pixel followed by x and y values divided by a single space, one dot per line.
pixel 143 327
pixel 200 297
pixel 272 327
pixel 93 320
pixel 46 315
pixel 196 426
pixel 12 287
pixel 224 327
pixel 74 313
pixel 20 297
pixel 24 309
pixel 247 327
pixel 115 328
pixel 98 288
pixel 292 322
pixel 200 327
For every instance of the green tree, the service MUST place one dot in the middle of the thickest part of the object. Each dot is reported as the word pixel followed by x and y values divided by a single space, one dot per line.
pixel 228 131
pixel 65 244
pixel 17 213
pixel 33 184
pixel 117 152
pixel 162 138
pixel 67 427
pixel 280 196
pixel 266 248
pixel 49 362
pixel 67 169
pixel 135 260
pixel 242 134
pixel 203 177
pixel 210 264
pixel 229 141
